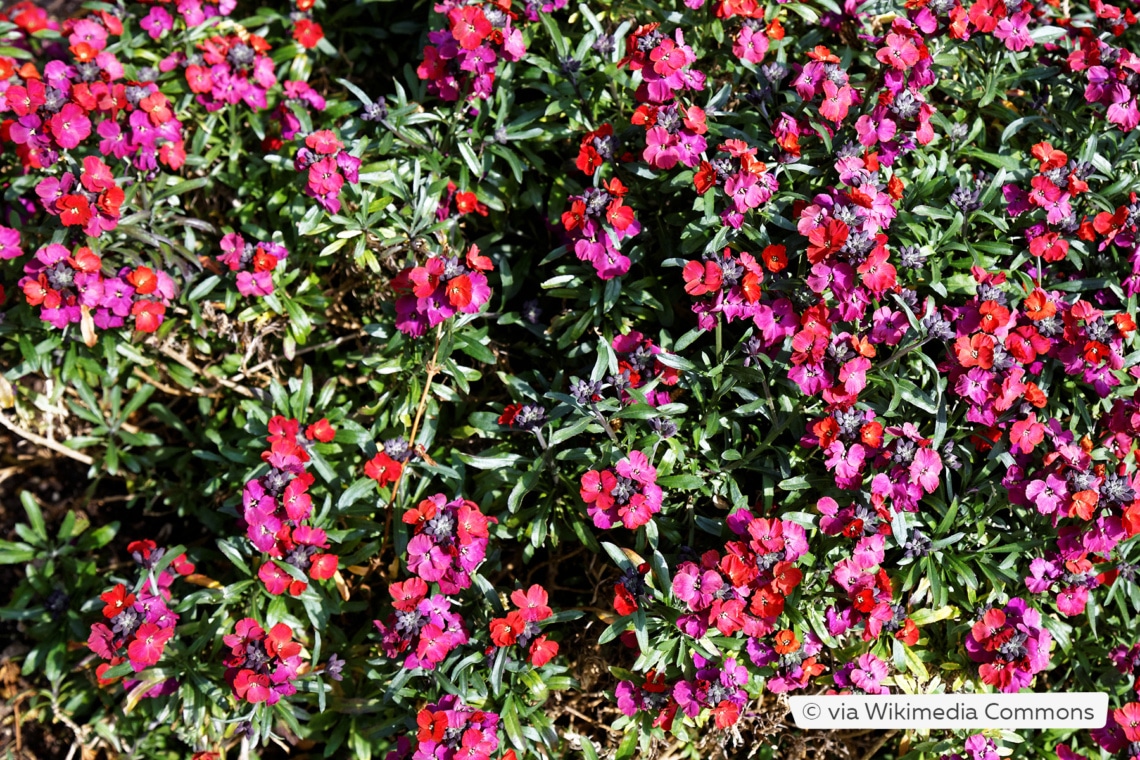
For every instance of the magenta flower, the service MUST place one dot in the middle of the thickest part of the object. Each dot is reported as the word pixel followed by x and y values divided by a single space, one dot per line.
pixel 10 243
pixel 925 469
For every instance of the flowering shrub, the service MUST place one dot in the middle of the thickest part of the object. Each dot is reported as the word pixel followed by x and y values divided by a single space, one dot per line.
pixel 533 379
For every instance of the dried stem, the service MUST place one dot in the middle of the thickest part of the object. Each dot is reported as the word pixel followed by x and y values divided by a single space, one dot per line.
pixel 432 371
pixel 47 443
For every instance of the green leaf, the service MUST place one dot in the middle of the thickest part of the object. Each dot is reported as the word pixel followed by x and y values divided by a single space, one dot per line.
pixel 35 515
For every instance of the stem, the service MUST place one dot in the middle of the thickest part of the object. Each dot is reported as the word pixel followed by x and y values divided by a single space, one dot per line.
pixel 432 371
pixel 47 443
pixel 718 340
pixel 605 423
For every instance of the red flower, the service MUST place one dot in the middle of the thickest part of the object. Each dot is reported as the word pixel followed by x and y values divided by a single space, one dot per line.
pixel 1026 434
pixel 148 315
pixel 624 602
pixel 321 431
pixel 146 649
pixel 1049 157
pixel 458 291
pixel 509 413
pixel 323 567
pixel 383 469
pixel 1128 718
pixel 787 577
pixel 74 210
pixel 775 258
pixel 826 240
pixel 975 351
pixel 786 642
pixel 1050 246
pixel 701 278
pixel 157 107
pixel 143 280
pixel 542 651
pixel 117 600
pixel 575 216
pixel 467 202
pixel 705 178
pixel 476 261
pixel 432 725
pixel 469 26
pixel 308 33
pixel 505 631
pixel 532 604
pixel 251 687
pixel 1110 225
pixel 726 714
pixel 618 215
pixel 908 634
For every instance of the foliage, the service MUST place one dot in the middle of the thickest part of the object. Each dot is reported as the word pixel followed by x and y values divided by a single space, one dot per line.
pixel 434 354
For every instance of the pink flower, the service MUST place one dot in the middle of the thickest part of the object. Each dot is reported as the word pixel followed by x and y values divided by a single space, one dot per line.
pixel 925 469
pixel 10 243
pixel 847 463
pixel 146 649
pixel 532 604
pixel 900 53
pixel 636 467
pixel 750 45
pixel 597 488
pixel 1026 434
pixel 836 101
pixel 70 126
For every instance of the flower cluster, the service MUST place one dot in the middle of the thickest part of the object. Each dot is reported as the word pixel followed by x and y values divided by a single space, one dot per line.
pixel 460 60
pixel 458 202
pixel 254 263
pixel 1071 580
pixel 261 667
pixel 665 65
pixel 595 224
pixel 140 622
pixel 388 464
pixel 729 285
pixel 980 747
pixel 449 541
pixel 229 69
pixel 597 148
pixel 1121 734
pixel 868 595
pixel 329 165
pixel 69 288
pixel 444 285
pixel 639 364
pixel 793 662
pixel 449 730
pixel 1010 645
pixel 654 696
pixel 521 626
pixel 301 95
pixel 277 508
pixel 92 201
pixel 746 180
pixel 307 32
pixel 190 13
pixel 744 588
pixel 626 494
pixel 424 627
pixel 718 689
pixel 1110 74
pixel 862 676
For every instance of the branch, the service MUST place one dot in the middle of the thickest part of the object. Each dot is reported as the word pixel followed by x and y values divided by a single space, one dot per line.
pixel 47 443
